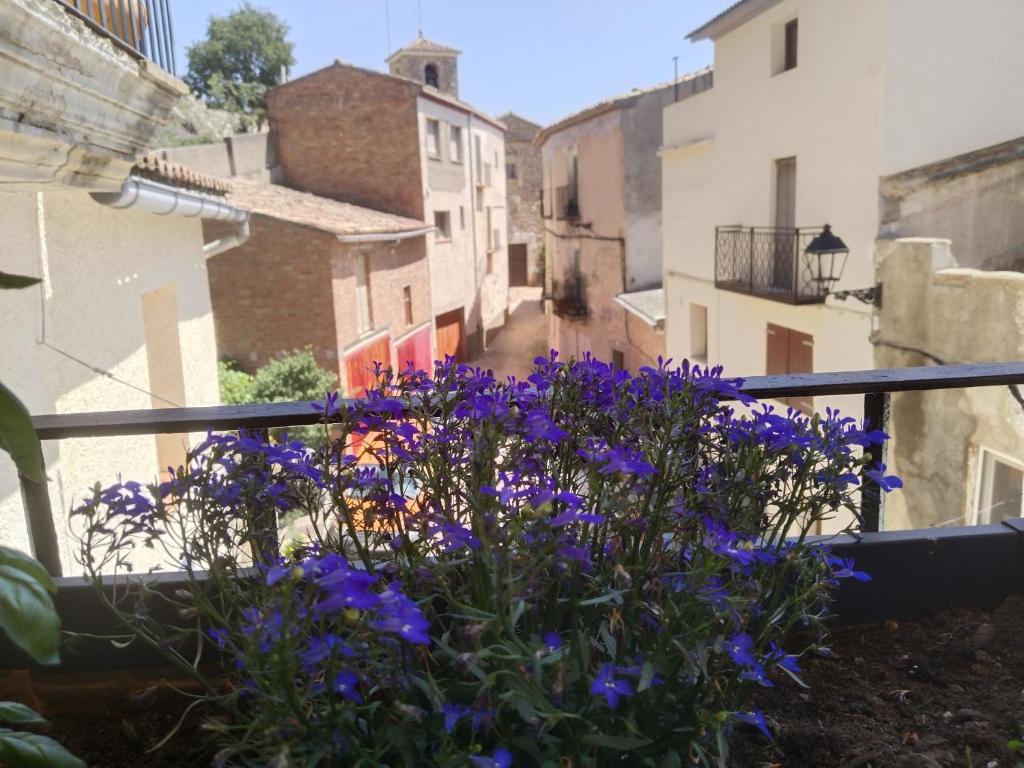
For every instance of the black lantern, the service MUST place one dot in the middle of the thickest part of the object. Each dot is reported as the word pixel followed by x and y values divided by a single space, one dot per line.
pixel 826 259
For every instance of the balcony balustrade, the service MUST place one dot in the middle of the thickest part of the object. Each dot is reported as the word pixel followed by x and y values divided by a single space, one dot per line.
pixel 143 27
pixel 768 262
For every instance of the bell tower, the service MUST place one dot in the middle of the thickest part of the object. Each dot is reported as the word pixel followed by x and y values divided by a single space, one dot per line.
pixel 427 62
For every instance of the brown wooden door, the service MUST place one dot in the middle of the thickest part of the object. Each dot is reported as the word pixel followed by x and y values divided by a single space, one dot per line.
pixel 517 274
pixel 789 351
pixel 451 334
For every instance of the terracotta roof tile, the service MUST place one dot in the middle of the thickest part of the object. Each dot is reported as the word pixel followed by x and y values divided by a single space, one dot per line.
pixel 156 168
pixel 279 202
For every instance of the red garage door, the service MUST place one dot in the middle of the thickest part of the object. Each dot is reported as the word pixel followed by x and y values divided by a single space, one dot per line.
pixel 415 349
pixel 360 361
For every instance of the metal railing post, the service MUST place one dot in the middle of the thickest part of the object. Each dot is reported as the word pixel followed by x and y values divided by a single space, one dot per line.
pixel 41 529
pixel 872 500
pixel 750 262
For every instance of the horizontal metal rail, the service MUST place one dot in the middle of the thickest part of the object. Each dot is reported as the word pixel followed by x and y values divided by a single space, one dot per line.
pixel 767 262
pixel 874 385
pixel 142 27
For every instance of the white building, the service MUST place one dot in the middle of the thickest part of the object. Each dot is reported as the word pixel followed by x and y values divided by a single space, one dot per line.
pixel 814 101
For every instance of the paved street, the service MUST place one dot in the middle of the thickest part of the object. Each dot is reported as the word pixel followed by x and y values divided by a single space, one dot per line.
pixel 522 339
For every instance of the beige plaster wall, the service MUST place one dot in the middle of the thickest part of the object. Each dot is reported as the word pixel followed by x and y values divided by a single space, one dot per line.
pixel 935 309
pixel 96 263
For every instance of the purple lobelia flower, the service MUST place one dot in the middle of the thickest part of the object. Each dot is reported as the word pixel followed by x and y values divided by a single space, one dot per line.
pixel 606 684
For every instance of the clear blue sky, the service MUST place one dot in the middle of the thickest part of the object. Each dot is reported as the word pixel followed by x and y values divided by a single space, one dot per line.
pixel 540 58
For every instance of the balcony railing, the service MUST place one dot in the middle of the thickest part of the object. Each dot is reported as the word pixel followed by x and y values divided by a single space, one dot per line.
pixel 569 297
pixel 768 262
pixel 874 385
pixel 143 27
pixel 567 204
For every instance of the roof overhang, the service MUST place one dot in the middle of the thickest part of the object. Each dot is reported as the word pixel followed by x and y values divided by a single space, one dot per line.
pixel 165 200
pixel 648 305
pixel 732 17
pixel 385 237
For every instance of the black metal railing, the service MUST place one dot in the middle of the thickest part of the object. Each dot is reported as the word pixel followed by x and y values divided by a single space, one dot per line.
pixel 569 297
pixel 567 204
pixel 769 262
pixel 142 27
pixel 874 385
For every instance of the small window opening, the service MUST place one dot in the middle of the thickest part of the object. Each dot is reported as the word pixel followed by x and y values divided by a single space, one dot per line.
pixel 430 75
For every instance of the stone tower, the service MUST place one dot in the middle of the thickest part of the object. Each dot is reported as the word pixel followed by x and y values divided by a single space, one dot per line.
pixel 429 63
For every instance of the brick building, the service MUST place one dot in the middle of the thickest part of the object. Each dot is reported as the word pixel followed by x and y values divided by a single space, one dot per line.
pixel 405 143
pixel 350 282
pixel 524 178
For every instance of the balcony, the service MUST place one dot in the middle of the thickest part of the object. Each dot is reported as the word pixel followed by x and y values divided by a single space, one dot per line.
pixel 569 297
pixel 87 83
pixel 567 204
pixel 768 262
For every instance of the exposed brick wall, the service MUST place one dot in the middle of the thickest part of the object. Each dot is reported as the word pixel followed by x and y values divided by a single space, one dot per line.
pixel 273 293
pixel 352 135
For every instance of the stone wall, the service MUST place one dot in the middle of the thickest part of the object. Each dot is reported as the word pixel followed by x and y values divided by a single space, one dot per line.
pixel 350 134
pixel 413 66
pixel 934 310
pixel 974 200
pixel 525 222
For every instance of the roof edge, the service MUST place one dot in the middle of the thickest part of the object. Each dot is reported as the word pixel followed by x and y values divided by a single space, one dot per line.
pixel 732 17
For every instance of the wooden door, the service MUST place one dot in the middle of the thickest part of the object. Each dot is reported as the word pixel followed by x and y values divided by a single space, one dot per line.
pixel 789 351
pixel 517 274
pixel 415 349
pixel 451 333
pixel 359 364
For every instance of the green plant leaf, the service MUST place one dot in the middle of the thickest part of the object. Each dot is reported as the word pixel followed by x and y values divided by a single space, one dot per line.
pixel 13 712
pixel 27 614
pixel 17 281
pixel 621 743
pixel 29 565
pixel 30 750
pixel 18 437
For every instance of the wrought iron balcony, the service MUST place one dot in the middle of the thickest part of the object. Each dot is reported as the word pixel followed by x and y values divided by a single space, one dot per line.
pixel 569 297
pixel 143 27
pixel 768 262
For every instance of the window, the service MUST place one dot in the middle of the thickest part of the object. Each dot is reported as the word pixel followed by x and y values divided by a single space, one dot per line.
pixel 364 316
pixel 618 359
pixel 407 303
pixel 1000 489
pixel 478 159
pixel 789 351
pixel 430 75
pixel 784 46
pixel 455 144
pixel 479 200
pixel 490 262
pixel 443 223
pixel 493 232
pixel 699 332
pixel 789 60
pixel 510 170
pixel 462 217
pixel 433 139
pixel 572 204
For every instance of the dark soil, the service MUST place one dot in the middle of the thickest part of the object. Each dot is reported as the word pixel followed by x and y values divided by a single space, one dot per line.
pixel 943 691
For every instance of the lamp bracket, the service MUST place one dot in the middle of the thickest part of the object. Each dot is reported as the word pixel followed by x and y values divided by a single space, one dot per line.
pixel 872 295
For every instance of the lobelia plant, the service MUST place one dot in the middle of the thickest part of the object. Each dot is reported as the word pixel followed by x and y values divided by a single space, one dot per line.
pixel 585 568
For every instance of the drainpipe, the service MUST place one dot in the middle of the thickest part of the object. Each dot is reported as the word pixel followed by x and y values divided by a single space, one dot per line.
pixel 165 200
pixel 472 213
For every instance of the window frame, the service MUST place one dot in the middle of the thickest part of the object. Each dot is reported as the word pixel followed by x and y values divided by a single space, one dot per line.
pixel 455 151
pixel 433 129
pixel 983 476
pixel 364 302
pixel 443 233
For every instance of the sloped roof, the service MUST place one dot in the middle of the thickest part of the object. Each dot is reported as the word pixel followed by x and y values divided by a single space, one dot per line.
pixel 422 45
pixel 648 305
pixel 343 219
pixel 176 175
pixel 615 102
pixel 736 14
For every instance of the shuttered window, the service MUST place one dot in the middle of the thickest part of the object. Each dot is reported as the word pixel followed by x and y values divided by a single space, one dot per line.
pixel 789 351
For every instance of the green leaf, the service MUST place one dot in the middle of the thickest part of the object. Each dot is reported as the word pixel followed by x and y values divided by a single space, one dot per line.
pixel 30 750
pixel 621 743
pixel 605 598
pixel 18 437
pixel 17 281
pixel 27 614
pixel 29 565
pixel 646 676
pixel 13 712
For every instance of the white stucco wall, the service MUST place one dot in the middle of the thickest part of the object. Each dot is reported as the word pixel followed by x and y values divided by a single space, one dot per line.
pixel 97 263
pixel 458 268
pixel 953 80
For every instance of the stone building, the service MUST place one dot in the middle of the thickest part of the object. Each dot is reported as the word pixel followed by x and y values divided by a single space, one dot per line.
pixel 524 179
pixel 395 143
pixel 603 216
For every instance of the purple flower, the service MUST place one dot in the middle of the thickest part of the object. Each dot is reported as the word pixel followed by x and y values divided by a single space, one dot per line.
pixel 345 683
pixel 605 684
pixel 454 537
pixel 452 714
pixel 572 516
pixel 400 615
pixel 740 648
pixel 778 656
pixel 843 569
pixel 552 641
pixel 755 719
pixel 501 758
pixel 886 482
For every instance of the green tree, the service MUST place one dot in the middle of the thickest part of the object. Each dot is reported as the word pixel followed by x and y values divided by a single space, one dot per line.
pixel 242 56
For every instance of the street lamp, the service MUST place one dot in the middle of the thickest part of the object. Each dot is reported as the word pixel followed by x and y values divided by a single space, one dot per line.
pixel 826 259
